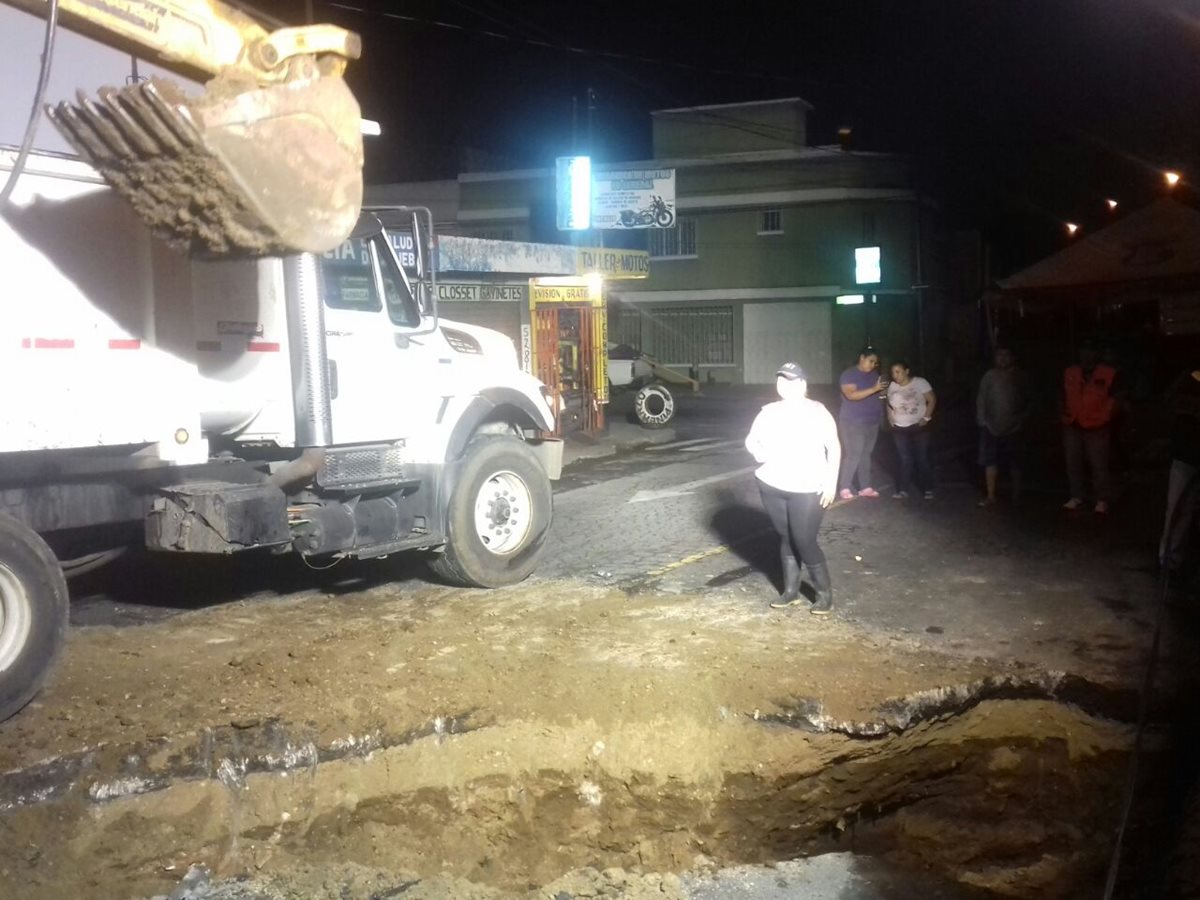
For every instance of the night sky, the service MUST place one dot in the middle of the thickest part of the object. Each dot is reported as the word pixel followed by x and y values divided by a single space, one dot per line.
pixel 1020 114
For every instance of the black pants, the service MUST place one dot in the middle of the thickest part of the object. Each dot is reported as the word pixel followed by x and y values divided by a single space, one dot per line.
pixel 797 519
pixel 912 445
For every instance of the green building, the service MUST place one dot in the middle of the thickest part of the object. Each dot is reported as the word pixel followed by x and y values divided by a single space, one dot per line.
pixel 761 251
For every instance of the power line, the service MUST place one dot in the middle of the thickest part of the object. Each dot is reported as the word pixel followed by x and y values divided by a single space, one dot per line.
pixel 568 48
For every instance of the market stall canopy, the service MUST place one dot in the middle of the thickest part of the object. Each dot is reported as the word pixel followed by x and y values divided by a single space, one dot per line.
pixel 1159 243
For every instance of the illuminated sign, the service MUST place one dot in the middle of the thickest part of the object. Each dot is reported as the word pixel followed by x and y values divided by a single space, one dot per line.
pixel 850 299
pixel 867 267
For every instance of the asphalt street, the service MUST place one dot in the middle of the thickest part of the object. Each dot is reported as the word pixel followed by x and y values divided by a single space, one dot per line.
pixel 685 518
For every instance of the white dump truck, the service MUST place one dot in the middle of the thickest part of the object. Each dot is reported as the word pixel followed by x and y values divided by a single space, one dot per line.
pixel 310 404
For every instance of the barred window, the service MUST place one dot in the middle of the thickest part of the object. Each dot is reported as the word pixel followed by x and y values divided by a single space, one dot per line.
pixel 770 221
pixel 677 241
pixel 683 336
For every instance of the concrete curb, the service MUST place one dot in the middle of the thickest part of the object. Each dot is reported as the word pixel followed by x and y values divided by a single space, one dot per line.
pixel 620 436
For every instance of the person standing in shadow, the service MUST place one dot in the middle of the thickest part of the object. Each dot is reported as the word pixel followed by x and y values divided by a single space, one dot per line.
pixel 795 442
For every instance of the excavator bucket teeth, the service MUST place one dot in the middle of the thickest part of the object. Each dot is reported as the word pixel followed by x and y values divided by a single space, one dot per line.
pixel 241 170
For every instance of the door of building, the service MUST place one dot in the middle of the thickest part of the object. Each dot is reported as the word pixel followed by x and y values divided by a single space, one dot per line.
pixel 785 331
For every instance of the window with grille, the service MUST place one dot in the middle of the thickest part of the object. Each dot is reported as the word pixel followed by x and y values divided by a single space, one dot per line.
pixel 770 221
pixel 625 326
pixel 690 336
pixel 677 241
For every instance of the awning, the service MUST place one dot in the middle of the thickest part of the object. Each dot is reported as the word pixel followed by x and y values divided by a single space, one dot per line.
pixel 1152 250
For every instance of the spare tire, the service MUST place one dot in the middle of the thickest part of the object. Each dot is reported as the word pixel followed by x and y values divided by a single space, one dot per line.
pixel 33 614
pixel 654 405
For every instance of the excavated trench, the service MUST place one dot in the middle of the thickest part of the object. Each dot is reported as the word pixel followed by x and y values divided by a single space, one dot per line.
pixel 994 788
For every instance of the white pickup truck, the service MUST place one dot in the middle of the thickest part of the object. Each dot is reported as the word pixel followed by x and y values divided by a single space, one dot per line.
pixel 309 404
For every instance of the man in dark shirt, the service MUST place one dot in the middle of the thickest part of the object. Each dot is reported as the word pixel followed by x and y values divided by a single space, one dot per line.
pixel 1183 485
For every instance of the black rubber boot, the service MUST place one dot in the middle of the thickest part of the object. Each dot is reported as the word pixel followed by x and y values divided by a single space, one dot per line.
pixel 819 574
pixel 791 581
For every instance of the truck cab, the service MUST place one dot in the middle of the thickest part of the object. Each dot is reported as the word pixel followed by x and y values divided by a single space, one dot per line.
pixel 313 404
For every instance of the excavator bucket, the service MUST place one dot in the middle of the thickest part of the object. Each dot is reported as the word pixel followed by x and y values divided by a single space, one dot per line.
pixel 242 170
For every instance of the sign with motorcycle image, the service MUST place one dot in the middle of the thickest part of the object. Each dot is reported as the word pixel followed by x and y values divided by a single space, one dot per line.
pixel 633 198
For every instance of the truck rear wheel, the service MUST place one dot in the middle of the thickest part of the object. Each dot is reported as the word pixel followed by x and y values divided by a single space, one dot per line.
pixel 33 614
pixel 499 516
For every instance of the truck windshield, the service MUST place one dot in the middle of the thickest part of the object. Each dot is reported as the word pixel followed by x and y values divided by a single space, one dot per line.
pixel 401 305
pixel 346 278
pixel 348 282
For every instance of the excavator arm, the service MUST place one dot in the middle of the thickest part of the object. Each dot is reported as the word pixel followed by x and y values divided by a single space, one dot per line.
pixel 268 160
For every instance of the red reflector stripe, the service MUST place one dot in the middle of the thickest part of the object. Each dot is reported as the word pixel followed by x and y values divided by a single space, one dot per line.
pixel 124 344
pixel 262 347
pixel 212 346
pixel 53 343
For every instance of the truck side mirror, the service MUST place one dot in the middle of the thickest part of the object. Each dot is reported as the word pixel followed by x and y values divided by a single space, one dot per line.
pixel 421 219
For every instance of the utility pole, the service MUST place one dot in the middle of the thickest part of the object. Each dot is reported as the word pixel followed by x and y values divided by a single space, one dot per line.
pixel 574 124
pixel 591 107
pixel 590 148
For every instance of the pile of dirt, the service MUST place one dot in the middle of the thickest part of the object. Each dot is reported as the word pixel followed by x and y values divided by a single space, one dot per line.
pixel 582 745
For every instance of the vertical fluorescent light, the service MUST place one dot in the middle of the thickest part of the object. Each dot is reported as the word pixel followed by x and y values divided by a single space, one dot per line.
pixel 573 190
pixel 581 192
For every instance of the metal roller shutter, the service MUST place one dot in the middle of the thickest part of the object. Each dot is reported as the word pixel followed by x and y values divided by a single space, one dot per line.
pixel 788 331
pixel 500 316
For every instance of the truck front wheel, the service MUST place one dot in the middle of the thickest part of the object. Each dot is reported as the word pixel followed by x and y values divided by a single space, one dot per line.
pixel 33 614
pixel 499 515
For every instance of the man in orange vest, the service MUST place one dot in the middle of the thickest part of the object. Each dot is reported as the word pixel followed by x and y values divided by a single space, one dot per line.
pixel 1087 414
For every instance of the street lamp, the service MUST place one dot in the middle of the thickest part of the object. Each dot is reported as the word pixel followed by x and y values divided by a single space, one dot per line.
pixel 1172 178
pixel 1112 204
pixel 1071 228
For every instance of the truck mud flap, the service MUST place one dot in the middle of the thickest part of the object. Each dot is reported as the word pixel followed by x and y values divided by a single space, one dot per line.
pixel 549 452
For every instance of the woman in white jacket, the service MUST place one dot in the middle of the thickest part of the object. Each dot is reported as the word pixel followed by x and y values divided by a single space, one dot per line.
pixel 795 439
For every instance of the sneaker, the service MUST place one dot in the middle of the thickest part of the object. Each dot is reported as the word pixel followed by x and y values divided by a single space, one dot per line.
pixel 1073 504
pixel 900 495
pixel 870 493
pixel 781 603
pixel 845 494
pixel 1101 507
pixel 928 495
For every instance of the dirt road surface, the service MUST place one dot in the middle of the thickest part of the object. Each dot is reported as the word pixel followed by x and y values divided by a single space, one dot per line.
pixel 633 722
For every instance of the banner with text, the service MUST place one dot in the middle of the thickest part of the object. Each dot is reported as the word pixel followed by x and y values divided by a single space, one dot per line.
pixel 481 292
pixel 633 198
pixel 583 292
pixel 613 263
